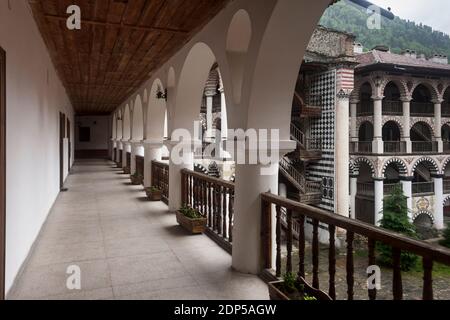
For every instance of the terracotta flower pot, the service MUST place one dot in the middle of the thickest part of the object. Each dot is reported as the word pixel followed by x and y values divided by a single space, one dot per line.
pixel 154 195
pixel 277 293
pixel 194 226
pixel 136 180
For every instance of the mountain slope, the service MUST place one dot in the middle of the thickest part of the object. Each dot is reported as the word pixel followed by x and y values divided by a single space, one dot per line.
pixel 398 34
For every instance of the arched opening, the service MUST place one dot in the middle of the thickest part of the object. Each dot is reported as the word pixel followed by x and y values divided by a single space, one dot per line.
pixel 423 183
pixel 445 133
pixel 157 113
pixel 119 126
pixel 422 104
pixel 365 137
pixel 392 105
pixel 392 177
pixel 422 138
pixel 446 104
pixel 391 137
pixel 365 105
pixel 238 41
pixel 425 226
pixel 365 204
pixel 138 121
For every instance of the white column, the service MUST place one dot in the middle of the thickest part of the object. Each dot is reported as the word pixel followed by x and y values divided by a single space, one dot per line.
pixel 407 123
pixel 439 202
pixel 379 197
pixel 181 157
pixel 119 147
pixel 209 115
pixel 134 149
pixel 126 149
pixel 223 114
pixel 353 192
pixel 342 152
pixel 251 181
pixel 152 152
pixel 378 145
pixel 353 115
pixel 438 125
pixel 407 191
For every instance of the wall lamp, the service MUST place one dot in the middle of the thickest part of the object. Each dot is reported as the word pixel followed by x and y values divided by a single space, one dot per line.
pixel 161 95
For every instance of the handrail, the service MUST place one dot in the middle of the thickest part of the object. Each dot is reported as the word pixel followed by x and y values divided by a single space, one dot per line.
pixel 294 174
pixel 396 240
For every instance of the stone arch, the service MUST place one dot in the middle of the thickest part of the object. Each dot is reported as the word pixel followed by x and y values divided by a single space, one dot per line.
pixel 138 120
pixel 191 84
pixel 356 94
pixel 423 212
pixel 400 84
pixel 446 201
pixel 156 112
pixel 430 163
pixel 430 86
pixel 425 121
pixel 401 165
pixel 370 131
pixel 238 41
pixel 371 165
pixel 395 121
pixel 445 164
pixel 114 126
pixel 289 31
pixel 126 120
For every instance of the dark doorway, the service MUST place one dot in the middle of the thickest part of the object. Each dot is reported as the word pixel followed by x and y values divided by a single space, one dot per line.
pixel 2 171
pixel 62 135
pixel 69 143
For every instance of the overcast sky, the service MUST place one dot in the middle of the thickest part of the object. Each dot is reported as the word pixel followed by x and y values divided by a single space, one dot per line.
pixel 434 13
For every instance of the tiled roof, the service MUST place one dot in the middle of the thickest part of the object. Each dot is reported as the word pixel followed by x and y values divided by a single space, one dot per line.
pixel 376 57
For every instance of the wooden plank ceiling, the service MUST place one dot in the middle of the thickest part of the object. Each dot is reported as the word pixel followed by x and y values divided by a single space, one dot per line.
pixel 120 44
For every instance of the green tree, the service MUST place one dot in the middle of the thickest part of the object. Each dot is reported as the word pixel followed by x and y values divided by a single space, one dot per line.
pixel 395 218
pixel 446 241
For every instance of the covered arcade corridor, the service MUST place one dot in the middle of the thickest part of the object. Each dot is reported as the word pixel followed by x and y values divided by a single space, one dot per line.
pixel 128 247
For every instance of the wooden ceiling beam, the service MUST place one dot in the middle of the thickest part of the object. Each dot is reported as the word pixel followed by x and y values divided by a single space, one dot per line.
pixel 121 25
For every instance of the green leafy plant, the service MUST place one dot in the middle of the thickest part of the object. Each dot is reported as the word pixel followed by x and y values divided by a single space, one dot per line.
pixel 190 213
pixel 290 281
pixel 395 218
pixel 153 189
pixel 446 241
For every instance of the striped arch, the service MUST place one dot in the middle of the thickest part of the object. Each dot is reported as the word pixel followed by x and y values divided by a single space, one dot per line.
pixel 352 168
pixel 446 200
pixel 426 121
pixel 424 212
pixel 397 121
pixel 446 163
pixel 435 95
pixel 401 85
pixel 429 163
pixel 401 165
pixel 357 162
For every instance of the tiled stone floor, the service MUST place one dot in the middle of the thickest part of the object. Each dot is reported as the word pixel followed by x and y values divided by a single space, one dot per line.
pixel 126 247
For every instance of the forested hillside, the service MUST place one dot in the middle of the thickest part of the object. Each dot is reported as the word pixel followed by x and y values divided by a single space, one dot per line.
pixel 398 34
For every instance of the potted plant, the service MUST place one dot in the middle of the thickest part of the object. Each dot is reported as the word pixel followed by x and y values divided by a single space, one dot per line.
pixel 295 288
pixel 136 179
pixel 191 220
pixel 126 170
pixel 154 193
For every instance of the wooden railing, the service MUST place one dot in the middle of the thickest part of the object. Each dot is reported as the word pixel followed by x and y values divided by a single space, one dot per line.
pixel 140 165
pixel 364 147
pixel 214 199
pixel 364 108
pixel 347 227
pixel 394 147
pixel 391 107
pixel 421 109
pixel 128 164
pixel 445 109
pixel 366 189
pixel 422 188
pixel 424 146
pixel 309 144
pixel 160 178
pixel 446 186
pixel 446 145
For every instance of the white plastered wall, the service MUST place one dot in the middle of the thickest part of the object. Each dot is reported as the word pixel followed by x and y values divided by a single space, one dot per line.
pixel 34 98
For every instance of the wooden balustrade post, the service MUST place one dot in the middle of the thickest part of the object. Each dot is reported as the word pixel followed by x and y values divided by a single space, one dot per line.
pixel 266 234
